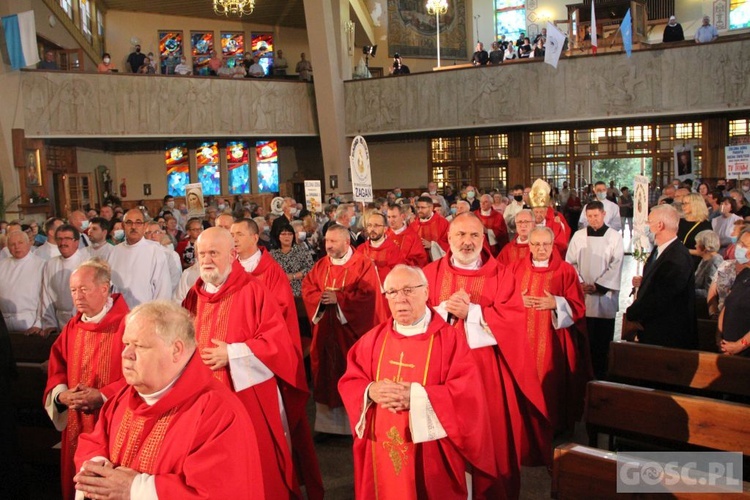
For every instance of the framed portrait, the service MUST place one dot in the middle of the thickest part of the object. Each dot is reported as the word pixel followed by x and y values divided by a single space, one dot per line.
pixel 683 162
pixel 194 199
pixel 33 168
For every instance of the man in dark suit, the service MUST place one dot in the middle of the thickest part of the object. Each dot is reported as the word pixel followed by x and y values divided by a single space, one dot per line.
pixel 664 310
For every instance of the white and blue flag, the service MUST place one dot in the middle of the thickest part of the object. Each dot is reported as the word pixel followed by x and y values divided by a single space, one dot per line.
pixel 20 38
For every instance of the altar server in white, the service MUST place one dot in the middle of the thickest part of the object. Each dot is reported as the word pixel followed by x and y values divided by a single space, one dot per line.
pixel 21 285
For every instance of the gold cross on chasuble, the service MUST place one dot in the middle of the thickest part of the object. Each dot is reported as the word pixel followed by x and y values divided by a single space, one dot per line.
pixel 400 363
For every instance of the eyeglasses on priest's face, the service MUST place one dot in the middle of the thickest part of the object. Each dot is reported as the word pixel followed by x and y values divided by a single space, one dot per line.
pixel 408 291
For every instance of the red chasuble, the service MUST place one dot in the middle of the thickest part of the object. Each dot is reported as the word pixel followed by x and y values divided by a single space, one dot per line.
pixel 560 356
pixel 514 394
pixel 273 277
pixel 89 354
pixel 411 246
pixel 197 440
pixel 242 311
pixel 385 257
pixel 435 229
pixel 358 293
pixel 387 464
pixel 561 230
pixel 513 252
pixel 496 223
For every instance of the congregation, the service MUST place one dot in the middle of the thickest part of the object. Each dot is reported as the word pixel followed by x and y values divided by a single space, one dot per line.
pixel 450 332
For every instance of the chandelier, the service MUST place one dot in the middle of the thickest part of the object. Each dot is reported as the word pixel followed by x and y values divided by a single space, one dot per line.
pixel 436 8
pixel 234 7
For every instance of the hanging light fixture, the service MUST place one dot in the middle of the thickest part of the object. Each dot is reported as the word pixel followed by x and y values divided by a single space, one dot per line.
pixel 234 7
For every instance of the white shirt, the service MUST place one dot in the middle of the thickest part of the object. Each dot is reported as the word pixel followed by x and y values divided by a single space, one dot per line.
pixel 187 280
pixel 56 301
pixel 663 247
pixel 598 260
pixel 47 251
pixel 251 263
pixel 724 226
pixel 103 251
pixel 20 290
pixel 140 272
pixel 174 266
pixel 611 215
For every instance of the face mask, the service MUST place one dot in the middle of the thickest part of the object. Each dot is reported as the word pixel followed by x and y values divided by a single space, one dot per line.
pixel 222 207
pixel 601 195
pixel 518 198
pixel 266 230
pixel 170 204
pixel 184 211
pixel 746 188
pixel 734 239
pixel 453 210
pixel 84 225
pixel 353 222
pixel 470 195
pixel 301 236
pixel 740 254
pixel 295 212
pixel 106 60
pixel 398 195
pixel 119 234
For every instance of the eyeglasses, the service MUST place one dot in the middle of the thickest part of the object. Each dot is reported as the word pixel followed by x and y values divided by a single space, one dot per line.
pixel 408 291
pixel 373 226
pixel 136 223
pixel 523 222
pixel 537 245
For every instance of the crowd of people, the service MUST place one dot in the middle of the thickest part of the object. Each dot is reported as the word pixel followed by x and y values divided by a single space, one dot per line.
pixel 455 324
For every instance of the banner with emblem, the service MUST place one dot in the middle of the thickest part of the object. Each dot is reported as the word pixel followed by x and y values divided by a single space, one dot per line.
pixel 359 162
pixel 313 196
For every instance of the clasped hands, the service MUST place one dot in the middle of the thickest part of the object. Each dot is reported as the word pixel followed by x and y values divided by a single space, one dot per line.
pixel 81 398
pixel 390 395
pixel 103 480
pixel 539 303
pixel 458 304
pixel 328 297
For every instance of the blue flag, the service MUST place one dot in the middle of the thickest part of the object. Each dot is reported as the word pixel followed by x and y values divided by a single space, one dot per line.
pixel 20 38
pixel 626 28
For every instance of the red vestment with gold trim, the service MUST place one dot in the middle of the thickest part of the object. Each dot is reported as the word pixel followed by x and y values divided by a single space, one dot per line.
pixel 411 246
pixel 435 229
pixel 385 257
pixel 496 223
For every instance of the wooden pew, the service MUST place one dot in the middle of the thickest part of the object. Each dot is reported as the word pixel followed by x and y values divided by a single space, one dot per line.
pixel 703 372
pixel 666 418
pixel 707 335
pixel 582 472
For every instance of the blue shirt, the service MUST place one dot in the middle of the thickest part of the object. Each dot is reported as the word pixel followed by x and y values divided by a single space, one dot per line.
pixel 706 34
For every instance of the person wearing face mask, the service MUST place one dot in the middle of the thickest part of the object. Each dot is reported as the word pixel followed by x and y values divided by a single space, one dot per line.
pixel 746 190
pixel 515 205
pixel 432 189
pixel 182 68
pixel 136 59
pixel 723 225
pixel 472 198
pixel 287 216
pixel 611 210
pixel 106 65
pixel 735 316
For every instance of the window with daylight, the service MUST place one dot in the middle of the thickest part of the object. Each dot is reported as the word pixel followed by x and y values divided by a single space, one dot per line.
pixel 238 167
pixel 739 132
pixel 178 168
pixel 207 160
pixel 266 154
pixel 85 9
pixel 510 18
pixel 739 14
pixel 67 6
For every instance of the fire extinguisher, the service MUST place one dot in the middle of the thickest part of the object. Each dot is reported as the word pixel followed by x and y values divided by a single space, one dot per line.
pixel 123 189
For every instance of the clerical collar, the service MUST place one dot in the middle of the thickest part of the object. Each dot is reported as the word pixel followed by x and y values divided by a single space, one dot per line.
pixel 136 243
pixel 399 231
pixel 343 260
pixel 542 224
pixel 487 213
pixel 100 316
pixel 377 244
pixel 540 263
pixel 152 399
pixel 417 328
pixel 522 242
pixel 251 262
pixel 211 288
pixel 590 231
pixel 470 267
pixel 427 219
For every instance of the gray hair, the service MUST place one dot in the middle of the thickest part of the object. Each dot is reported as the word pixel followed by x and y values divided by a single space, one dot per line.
pixel 709 240
pixel 168 320
pixel 668 215
pixel 543 229
pixel 101 268
pixel 525 211
pixel 416 271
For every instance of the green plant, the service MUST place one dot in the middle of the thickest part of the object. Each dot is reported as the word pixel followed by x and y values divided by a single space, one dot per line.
pixel 3 205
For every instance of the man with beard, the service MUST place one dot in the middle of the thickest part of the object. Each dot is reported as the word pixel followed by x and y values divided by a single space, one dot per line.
pixel 342 297
pixel 432 228
pixel 469 289
pixel 243 338
pixel 494 225
pixel 380 249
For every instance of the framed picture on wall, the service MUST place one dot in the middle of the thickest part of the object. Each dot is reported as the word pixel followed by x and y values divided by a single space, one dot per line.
pixel 33 168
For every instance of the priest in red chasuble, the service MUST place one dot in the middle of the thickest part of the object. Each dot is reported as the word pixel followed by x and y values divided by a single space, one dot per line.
pixel 343 301
pixel 550 301
pixel 494 225
pixel 173 431
pixel 518 248
pixel 259 263
pixel 469 289
pixel 432 228
pixel 243 338
pixel 405 237
pixel 84 362
pixel 380 249
pixel 415 400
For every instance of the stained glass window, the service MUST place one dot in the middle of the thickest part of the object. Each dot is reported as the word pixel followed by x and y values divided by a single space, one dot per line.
pixel 266 154
pixel 233 47
pixel 510 18
pixel 739 14
pixel 207 160
pixel 178 168
pixel 170 50
pixel 203 44
pixel 238 167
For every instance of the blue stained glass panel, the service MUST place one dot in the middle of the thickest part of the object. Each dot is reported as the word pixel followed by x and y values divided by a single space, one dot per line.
pixel 239 179
pixel 268 177
pixel 210 178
